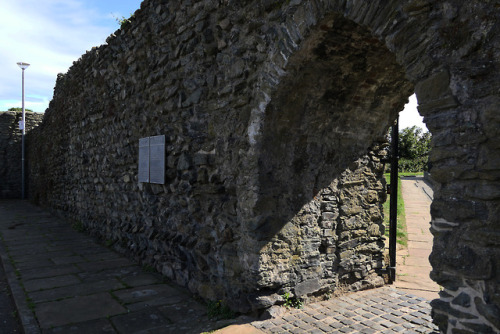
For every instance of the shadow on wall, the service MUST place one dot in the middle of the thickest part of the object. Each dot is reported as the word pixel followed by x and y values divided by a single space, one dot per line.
pixel 340 96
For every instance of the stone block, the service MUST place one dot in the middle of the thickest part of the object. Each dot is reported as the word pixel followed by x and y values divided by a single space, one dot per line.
pixel 445 307
pixel 462 299
pixel 475 328
pixel 329 216
pixel 184 162
pixel 264 301
pixel 433 88
pixel 372 196
pixel 307 287
pixel 458 210
pixel 490 311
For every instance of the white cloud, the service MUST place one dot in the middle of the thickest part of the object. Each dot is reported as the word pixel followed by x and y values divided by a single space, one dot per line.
pixel 410 116
pixel 49 35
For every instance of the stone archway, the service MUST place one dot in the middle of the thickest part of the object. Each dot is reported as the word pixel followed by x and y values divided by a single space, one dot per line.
pixel 272 112
pixel 331 100
pixel 321 161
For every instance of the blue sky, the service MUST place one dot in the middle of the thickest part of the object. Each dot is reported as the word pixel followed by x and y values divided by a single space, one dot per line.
pixel 51 34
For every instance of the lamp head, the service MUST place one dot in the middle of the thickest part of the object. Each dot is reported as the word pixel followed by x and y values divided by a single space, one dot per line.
pixel 23 65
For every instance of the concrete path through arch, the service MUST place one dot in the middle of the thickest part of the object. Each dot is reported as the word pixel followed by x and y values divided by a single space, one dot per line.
pixel 413 267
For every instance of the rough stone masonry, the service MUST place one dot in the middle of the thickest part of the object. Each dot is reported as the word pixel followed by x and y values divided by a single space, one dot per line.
pixel 11 151
pixel 274 114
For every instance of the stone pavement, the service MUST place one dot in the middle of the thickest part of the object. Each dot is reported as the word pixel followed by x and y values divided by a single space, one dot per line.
pixel 413 267
pixel 9 322
pixel 63 281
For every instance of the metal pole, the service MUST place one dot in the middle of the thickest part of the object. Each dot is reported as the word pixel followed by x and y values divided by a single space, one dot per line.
pixel 22 140
pixel 393 209
pixel 23 66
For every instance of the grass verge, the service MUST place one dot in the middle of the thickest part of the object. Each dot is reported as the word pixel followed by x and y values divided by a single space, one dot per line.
pixel 401 234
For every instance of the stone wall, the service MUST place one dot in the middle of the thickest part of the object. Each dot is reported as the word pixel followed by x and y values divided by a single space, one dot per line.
pixel 223 224
pixel 334 240
pixel 272 111
pixel 11 151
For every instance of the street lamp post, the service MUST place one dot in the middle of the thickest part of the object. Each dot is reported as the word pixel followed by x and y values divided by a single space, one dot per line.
pixel 23 66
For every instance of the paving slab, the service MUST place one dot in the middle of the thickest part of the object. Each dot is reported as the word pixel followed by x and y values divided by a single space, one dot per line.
pixel 100 326
pixel 81 289
pixel 419 238
pixel 77 309
pixel 47 272
pixel 65 259
pixel 134 322
pixel 50 282
pixel 34 264
pixel 412 261
pixel 98 255
pixel 103 275
pixel 18 258
pixel 140 280
pixel 105 264
pixel 145 293
pixel 183 311
pixel 9 321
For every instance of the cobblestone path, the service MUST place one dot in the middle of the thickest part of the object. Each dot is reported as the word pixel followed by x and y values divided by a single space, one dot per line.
pixel 383 310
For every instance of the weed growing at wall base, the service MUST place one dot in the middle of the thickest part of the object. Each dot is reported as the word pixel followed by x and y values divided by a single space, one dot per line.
pixel 217 310
pixel 292 302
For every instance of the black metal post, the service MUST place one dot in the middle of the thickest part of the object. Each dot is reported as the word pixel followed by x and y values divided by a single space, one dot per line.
pixel 393 210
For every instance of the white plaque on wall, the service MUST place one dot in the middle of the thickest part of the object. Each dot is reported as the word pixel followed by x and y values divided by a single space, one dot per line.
pixel 152 159
pixel 144 159
pixel 157 159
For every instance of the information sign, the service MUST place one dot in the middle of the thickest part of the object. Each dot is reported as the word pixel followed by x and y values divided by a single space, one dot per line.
pixel 157 159
pixel 144 159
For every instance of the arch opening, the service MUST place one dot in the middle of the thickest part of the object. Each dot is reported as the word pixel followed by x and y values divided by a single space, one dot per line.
pixel 321 162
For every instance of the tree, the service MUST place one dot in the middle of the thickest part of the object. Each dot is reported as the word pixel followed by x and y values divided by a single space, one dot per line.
pixel 414 146
pixel 19 109
pixel 413 143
